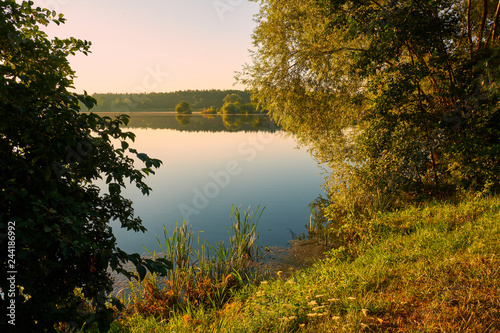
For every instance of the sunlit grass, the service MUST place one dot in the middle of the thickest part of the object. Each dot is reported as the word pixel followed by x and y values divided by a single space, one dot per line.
pixel 432 268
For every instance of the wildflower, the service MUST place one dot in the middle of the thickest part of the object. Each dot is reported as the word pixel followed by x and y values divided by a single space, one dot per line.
pixel 260 293
pixel 279 273
pixel 351 298
pixel 292 317
pixel 333 300
pixel 186 318
pixel 365 311
pixel 312 303
pixel 291 282
pixel 263 282
pixel 302 325
pixel 290 306
pixel 312 314
pixel 319 307
pixel 336 318
pixel 320 296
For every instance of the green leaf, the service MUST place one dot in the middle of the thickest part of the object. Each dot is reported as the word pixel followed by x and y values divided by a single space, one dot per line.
pixel 141 270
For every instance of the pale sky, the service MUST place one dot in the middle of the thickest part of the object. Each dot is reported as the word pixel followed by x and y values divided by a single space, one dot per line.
pixel 157 45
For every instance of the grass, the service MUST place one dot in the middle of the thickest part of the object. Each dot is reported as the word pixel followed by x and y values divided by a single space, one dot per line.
pixel 432 268
pixel 205 276
pixel 429 268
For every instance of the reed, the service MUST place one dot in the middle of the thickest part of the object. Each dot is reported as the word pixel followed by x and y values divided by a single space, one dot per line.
pixel 245 238
pixel 203 274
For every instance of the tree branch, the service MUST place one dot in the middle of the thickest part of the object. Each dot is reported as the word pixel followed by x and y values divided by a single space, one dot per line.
pixel 378 4
pixel 343 49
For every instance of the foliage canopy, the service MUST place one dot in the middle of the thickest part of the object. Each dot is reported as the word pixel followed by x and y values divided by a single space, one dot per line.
pixel 50 153
pixel 399 98
pixel 183 108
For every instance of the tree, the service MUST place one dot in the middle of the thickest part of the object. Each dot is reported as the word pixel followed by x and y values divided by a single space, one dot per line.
pixel 233 99
pixel 400 98
pixel 229 108
pixel 210 110
pixel 183 107
pixel 232 104
pixel 59 239
pixel 248 108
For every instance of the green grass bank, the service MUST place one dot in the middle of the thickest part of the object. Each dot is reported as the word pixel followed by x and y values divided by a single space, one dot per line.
pixel 430 268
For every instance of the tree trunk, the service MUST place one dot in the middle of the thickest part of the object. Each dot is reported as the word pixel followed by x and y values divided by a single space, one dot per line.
pixel 483 22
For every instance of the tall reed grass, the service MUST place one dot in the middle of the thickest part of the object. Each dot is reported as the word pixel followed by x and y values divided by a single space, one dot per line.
pixel 204 274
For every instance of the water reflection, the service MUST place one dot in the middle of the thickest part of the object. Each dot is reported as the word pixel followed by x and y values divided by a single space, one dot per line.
pixel 198 122
pixel 213 162
pixel 183 119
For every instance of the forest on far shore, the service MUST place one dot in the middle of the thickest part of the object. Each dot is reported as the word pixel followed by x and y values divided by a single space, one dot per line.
pixel 166 101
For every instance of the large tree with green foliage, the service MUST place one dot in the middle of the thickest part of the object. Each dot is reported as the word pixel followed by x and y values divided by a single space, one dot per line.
pixel 55 224
pixel 183 108
pixel 400 98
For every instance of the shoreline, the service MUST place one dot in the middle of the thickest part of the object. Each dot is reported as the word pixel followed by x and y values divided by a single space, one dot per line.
pixel 298 254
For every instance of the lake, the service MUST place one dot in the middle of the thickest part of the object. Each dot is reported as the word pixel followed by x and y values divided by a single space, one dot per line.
pixel 211 163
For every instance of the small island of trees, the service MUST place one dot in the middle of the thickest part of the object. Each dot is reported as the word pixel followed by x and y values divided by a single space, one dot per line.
pixel 183 108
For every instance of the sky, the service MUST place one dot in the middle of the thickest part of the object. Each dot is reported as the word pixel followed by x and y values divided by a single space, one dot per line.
pixel 156 45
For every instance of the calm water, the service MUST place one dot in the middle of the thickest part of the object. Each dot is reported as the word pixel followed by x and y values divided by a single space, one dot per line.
pixel 211 164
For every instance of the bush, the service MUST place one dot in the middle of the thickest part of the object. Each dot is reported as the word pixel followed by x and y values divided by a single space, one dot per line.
pixel 183 108
pixel 50 152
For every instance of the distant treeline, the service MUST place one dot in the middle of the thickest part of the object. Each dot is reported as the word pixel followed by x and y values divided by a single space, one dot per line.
pixel 198 99
pixel 200 123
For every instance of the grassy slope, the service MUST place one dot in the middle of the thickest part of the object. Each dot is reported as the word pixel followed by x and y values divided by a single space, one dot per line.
pixel 434 268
